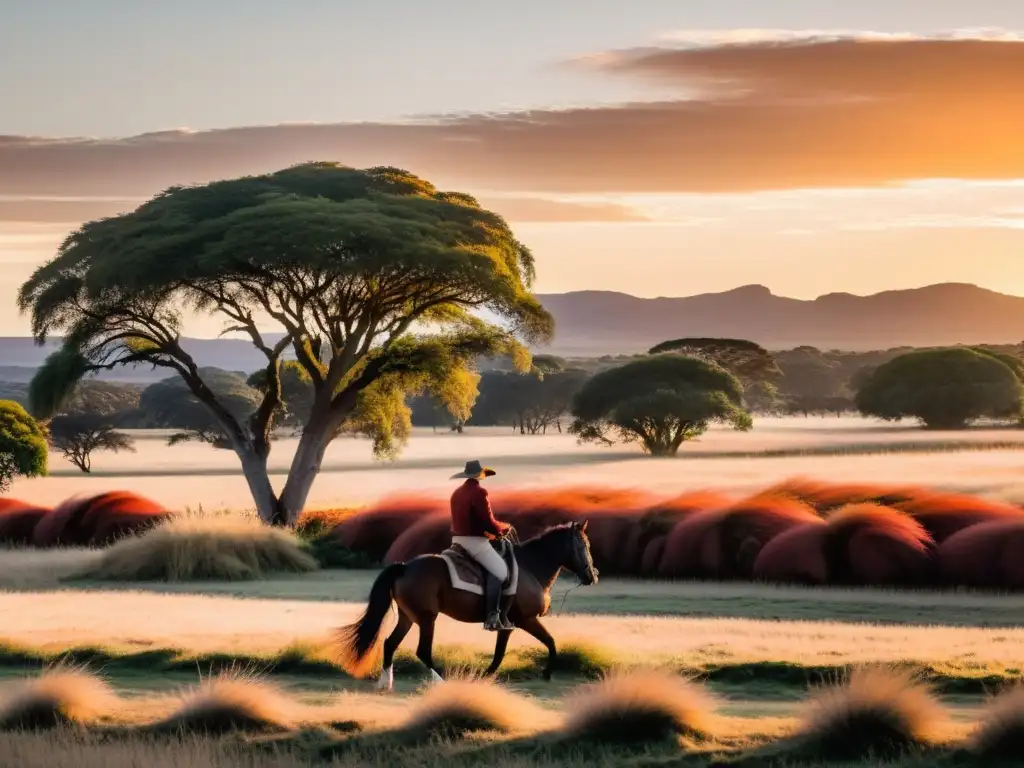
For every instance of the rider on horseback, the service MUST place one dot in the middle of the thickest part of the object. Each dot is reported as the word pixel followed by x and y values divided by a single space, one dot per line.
pixel 473 527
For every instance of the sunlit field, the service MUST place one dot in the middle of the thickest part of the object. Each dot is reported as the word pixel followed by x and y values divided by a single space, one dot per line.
pixel 759 651
pixel 840 449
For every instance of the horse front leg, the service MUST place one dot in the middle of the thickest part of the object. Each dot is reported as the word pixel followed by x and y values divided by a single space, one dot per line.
pixel 533 627
pixel 387 673
pixel 500 646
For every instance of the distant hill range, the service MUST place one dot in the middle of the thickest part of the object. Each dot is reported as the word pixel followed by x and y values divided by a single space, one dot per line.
pixel 592 323
pixel 595 323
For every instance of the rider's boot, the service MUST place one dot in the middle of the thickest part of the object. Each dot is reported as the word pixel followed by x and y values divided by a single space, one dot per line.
pixel 492 598
pixel 504 603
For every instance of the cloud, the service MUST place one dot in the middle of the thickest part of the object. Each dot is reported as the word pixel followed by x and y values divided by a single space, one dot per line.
pixel 759 111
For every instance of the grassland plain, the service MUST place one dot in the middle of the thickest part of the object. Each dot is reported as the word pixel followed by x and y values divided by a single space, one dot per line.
pixel 845 449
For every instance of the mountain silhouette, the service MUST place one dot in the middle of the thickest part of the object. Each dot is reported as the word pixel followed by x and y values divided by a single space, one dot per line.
pixel 594 323
pixel 600 322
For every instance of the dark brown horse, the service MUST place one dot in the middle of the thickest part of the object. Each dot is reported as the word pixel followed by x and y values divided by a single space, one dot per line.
pixel 422 589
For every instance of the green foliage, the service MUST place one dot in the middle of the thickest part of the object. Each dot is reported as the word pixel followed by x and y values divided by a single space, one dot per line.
pixel 749 362
pixel 942 388
pixel 77 435
pixel 55 381
pixel 659 401
pixel 22 445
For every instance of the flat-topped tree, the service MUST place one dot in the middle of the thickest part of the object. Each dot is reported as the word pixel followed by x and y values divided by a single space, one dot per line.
pixel 659 402
pixel 371 276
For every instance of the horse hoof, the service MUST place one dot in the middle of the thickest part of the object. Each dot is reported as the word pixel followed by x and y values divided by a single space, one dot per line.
pixel 386 681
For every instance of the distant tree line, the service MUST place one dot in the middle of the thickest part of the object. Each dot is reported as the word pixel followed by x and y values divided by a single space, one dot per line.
pixel 595 398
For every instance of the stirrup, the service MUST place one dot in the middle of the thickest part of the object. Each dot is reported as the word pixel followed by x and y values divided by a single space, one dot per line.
pixel 493 622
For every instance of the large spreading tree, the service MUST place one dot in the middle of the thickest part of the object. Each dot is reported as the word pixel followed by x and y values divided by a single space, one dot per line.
pixel 659 402
pixel 371 281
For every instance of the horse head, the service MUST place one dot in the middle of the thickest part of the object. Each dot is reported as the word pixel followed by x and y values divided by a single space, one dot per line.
pixel 580 561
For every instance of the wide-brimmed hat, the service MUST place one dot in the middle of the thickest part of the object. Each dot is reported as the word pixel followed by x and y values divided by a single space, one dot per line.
pixel 474 470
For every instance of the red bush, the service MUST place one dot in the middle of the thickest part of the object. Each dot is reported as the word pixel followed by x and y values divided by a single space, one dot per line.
pixel 18 521
pixel 869 544
pixel 724 543
pixel 985 556
pixel 657 520
pixel 650 560
pixel 829 496
pixel 373 530
pixel 97 520
pixel 796 556
pixel 60 527
pixel 427 536
pixel 612 515
pixel 944 514
pixel 113 515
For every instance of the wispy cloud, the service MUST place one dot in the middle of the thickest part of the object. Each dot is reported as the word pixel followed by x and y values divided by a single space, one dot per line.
pixel 744 111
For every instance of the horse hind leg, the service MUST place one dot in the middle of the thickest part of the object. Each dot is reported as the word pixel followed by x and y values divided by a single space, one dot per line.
pixel 387 673
pixel 425 647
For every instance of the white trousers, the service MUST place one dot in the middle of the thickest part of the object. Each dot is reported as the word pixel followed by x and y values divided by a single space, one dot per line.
pixel 480 549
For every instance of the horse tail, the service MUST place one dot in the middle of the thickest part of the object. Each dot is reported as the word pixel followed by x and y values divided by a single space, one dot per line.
pixel 358 647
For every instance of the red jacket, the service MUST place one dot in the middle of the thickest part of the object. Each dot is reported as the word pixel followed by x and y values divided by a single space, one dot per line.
pixel 471 512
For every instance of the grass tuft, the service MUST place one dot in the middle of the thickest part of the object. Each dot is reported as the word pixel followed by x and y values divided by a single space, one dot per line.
pixel 61 696
pixel 1000 734
pixel 191 548
pixel 229 703
pixel 636 707
pixel 876 713
pixel 455 708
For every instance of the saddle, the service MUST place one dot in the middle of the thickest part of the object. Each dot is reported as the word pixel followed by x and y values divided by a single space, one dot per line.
pixel 468 575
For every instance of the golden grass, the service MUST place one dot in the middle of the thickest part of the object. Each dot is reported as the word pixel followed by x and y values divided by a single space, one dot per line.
pixel 640 706
pixel 231 702
pixel 457 707
pixel 1000 733
pixel 877 712
pixel 59 696
pixel 189 548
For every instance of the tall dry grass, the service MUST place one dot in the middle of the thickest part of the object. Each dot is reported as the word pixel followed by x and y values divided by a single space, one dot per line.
pixel 1000 733
pixel 877 712
pixel 189 548
pixel 457 707
pixel 231 702
pixel 640 706
pixel 60 696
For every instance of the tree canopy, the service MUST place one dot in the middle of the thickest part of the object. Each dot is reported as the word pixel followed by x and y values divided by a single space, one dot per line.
pixel 372 278
pixel 659 401
pixel 751 363
pixel 22 445
pixel 942 388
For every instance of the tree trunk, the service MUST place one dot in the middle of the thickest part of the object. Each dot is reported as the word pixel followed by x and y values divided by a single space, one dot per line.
pixel 303 471
pixel 254 467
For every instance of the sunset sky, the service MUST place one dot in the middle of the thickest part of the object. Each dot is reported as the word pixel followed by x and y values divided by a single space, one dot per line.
pixel 655 147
